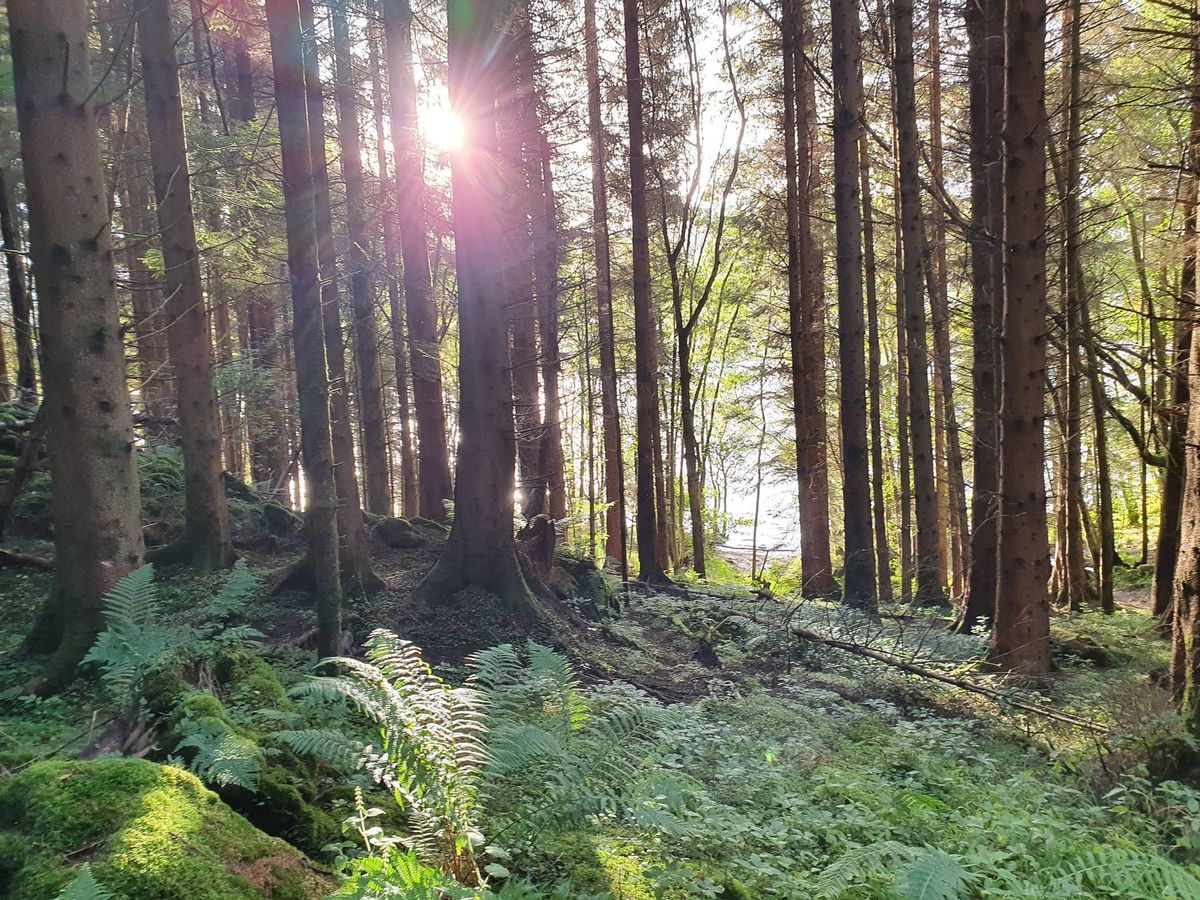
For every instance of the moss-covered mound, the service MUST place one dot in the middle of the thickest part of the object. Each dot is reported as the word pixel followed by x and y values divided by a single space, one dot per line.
pixel 150 832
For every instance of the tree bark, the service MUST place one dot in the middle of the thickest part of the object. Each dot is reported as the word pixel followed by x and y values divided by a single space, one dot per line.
pixel 939 303
pixel 859 581
pixel 95 499
pixel 930 567
pixel 424 355
pixel 651 568
pixel 356 561
pixel 883 560
pixel 409 495
pixel 1021 635
pixel 816 561
pixel 206 541
pixel 985 74
pixel 312 379
pixel 615 540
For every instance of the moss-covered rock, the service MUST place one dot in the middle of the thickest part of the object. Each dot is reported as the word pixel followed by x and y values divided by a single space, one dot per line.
pixel 150 832
pixel 282 805
pixel 397 532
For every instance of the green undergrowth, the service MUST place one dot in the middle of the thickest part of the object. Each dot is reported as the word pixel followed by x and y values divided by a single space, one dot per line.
pixel 714 755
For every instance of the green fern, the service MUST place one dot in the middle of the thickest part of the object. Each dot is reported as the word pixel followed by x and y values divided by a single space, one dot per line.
pixel 326 745
pixel 934 875
pixel 1128 873
pixel 431 750
pixel 238 586
pixel 134 638
pixel 222 757
pixel 85 887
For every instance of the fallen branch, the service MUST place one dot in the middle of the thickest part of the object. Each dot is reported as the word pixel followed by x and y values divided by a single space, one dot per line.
pixel 902 664
pixel 12 559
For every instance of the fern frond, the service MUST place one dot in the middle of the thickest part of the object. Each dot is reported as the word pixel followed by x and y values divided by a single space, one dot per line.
pixel 934 875
pixel 85 887
pixel 332 747
pixel 231 599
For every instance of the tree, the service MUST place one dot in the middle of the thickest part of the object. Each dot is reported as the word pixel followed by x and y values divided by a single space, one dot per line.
pixel 424 355
pixel 18 291
pixel 930 567
pixel 806 305
pixel 985 77
pixel 366 333
pixel 651 568
pixel 614 467
pixel 480 550
pixel 308 339
pixel 1021 634
pixel 206 542
pixel 356 560
pixel 409 495
pixel 95 498
pixel 859 583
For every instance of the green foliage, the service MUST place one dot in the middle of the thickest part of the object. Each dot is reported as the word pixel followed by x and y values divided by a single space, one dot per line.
pixel 138 638
pixel 430 752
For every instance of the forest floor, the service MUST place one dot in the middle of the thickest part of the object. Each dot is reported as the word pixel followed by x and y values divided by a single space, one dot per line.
pixel 774 765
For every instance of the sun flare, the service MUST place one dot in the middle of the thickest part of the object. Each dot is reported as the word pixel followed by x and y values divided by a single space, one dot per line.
pixel 444 129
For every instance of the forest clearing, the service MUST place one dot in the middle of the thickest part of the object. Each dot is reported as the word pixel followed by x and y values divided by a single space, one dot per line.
pixel 615 451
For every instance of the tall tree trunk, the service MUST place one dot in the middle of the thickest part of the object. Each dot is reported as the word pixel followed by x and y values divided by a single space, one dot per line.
pixel 206 542
pixel 480 550
pixel 859 583
pixel 1185 650
pixel 149 318
pixel 366 333
pixel 409 496
pixel 930 567
pixel 615 541
pixel 1075 581
pixel 651 568
pixel 816 561
pixel 356 561
pixel 95 502
pixel 18 291
pixel 1021 635
pixel 424 355
pixel 312 379
pixel 985 73
pixel 546 288
pixel 939 304
pixel 883 559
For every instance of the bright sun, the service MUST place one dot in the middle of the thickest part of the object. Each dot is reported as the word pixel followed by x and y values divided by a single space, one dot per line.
pixel 444 129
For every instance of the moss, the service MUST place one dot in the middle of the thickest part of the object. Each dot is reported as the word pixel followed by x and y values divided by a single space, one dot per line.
pixel 163 686
pixel 281 806
pixel 248 679
pixel 151 832
pixel 599 864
